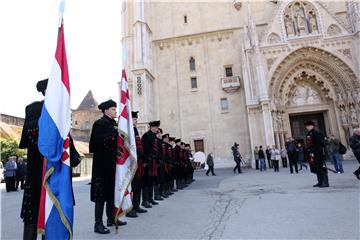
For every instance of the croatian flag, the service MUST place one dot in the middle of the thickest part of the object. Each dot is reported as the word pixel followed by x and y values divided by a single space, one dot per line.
pixel 126 160
pixel 56 207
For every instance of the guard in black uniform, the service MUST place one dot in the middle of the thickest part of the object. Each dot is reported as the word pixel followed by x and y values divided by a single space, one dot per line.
pixel 315 153
pixel 177 153
pixel 138 179
pixel 150 145
pixel 173 164
pixel 33 182
pixel 103 145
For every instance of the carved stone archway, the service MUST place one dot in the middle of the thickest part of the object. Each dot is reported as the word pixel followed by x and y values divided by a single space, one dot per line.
pixel 322 73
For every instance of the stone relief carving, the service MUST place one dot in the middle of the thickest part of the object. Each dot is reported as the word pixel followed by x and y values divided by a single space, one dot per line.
pixel 270 62
pixel 273 38
pixel 333 30
pixel 353 115
pixel 289 27
pixel 340 101
pixel 313 22
pixel 304 95
pixel 357 97
pixel 279 122
pixel 300 19
pixel 343 116
pixel 346 52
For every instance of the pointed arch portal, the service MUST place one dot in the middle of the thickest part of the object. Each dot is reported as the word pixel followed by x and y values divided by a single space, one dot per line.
pixel 313 83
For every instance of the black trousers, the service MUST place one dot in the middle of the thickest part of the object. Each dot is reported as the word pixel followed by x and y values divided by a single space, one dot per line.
pixel 136 198
pixel 293 162
pixel 10 184
pixel 238 167
pixel 257 164
pixel 211 168
pixel 270 163
pixel 30 232
pixel 275 163
pixel 284 162
pixel 20 181
pixel 99 210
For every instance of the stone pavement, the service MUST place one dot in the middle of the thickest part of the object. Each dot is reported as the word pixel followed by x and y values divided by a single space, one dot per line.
pixel 252 205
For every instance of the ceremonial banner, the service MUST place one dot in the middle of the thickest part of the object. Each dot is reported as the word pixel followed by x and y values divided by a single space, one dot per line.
pixel 126 160
pixel 56 207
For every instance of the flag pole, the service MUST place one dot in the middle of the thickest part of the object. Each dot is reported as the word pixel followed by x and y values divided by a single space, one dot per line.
pixel 61 12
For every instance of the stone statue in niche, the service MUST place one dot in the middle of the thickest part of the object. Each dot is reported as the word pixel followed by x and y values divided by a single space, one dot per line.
pixel 284 122
pixel 357 97
pixel 343 116
pixel 313 22
pixel 350 99
pixel 340 100
pixel 300 20
pixel 289 26
pixel 353 115
pixel 279 122
pixel 275 125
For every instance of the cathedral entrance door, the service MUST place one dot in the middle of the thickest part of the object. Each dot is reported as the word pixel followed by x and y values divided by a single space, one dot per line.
pixel 298 130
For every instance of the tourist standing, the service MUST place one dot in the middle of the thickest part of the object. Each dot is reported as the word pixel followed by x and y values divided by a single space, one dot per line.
pixel 275 157
pixel 301 156
pixel 292 154
pixel 334 146
pixel 268 156
pixel 10 173
pixel 256 157
pixel 20 173
pixel 262 159
pixel 283 154
pixel 210 163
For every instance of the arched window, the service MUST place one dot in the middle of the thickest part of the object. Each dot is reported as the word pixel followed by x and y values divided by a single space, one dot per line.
pixel 192 64
pixel 300 19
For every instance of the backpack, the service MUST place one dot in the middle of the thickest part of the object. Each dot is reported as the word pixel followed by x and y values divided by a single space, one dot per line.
pixel 342 149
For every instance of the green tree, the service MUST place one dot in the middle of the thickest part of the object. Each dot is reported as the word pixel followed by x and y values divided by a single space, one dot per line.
pixel 9 147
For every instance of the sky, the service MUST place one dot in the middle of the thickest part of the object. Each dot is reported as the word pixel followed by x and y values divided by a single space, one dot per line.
pixel 28 42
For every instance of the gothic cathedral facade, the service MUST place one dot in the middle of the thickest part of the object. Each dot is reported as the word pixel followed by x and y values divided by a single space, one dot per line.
pixel 250 72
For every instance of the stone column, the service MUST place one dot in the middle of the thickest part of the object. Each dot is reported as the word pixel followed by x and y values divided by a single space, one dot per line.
pixel 277 140
pixel 282 137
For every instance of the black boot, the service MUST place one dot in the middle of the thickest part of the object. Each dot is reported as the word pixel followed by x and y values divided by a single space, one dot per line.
pixel 146 204
pixel 145 197
pixel 157 193
pixel 136 199
pixel 140 210
pixel 111 222
pixel 132 214
pixel 99 226
pixel 319 178
pixel 325 180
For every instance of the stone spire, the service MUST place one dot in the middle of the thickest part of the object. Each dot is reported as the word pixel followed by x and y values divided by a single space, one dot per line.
pixel 353 15
pixel 260 72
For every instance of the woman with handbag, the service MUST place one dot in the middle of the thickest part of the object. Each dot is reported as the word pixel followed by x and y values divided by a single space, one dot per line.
pixel 275 158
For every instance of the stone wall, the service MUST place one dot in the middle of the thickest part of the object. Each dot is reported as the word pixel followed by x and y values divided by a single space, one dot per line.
pixel 12 120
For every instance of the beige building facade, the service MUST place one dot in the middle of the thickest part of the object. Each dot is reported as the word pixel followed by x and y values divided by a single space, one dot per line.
pixel 251 72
